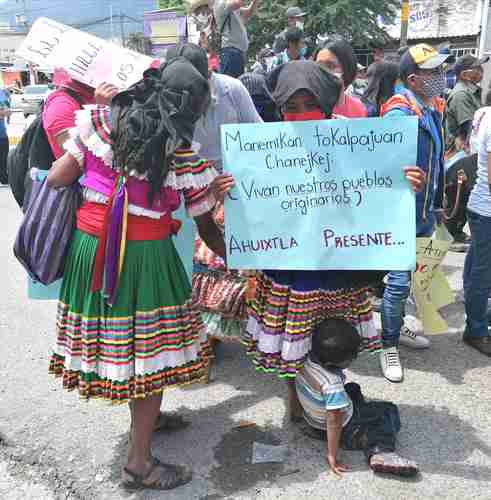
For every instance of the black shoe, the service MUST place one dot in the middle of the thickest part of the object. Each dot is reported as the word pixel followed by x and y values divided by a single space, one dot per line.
pixel 481 344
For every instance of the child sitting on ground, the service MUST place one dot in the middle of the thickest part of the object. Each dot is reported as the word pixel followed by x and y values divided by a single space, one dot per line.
pixel 338 412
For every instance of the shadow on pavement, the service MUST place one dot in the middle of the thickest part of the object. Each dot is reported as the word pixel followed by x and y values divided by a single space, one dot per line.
pixel 440 442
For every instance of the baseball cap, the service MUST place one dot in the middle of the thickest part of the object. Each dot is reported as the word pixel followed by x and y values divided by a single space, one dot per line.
pixel 421 56
pixel 295 12
pixel 469 62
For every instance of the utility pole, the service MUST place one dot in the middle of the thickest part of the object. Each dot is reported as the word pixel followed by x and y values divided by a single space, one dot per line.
pixel 121 26
pixel 111 22
pixel 404 22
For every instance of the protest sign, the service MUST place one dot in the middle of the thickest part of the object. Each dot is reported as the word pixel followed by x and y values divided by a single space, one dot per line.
pixel 327 194
pixel 430 286
pixel 86 58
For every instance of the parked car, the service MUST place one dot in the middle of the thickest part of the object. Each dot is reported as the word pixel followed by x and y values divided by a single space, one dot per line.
pixel 32 97
pixel 15 97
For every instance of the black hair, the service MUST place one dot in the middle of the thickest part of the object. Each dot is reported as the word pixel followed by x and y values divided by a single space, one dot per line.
pixel 382 77
pixel 334 341
pixel 293 35
pixel 346 57
pixel 154 117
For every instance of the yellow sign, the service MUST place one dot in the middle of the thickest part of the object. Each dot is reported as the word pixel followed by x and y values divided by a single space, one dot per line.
pixel 405 10
pixel 430 286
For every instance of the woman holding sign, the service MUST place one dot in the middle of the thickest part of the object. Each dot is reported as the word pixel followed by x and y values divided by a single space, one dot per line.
pixel 288 305
pixel 126 329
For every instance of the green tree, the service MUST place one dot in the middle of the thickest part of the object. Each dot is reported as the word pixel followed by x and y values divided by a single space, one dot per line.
pixel 355 20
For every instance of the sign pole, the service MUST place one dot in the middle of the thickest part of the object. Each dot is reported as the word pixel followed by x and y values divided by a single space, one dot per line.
pixel 404 22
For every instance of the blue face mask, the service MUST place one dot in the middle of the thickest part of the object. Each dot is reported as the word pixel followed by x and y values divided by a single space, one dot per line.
pixel 303 51
pixel 398 87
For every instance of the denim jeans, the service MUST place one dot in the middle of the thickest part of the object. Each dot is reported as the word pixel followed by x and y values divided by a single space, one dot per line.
pixel 373 427
pixel 232 62
pixel 396 293
pixel 477 275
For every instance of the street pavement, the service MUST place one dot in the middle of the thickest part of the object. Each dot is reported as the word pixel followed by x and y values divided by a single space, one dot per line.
pixel 54 446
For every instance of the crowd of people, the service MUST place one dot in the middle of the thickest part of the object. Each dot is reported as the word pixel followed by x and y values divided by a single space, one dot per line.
pixel 127 333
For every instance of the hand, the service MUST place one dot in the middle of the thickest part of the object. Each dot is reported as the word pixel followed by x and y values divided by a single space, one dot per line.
pixel 104 93
pixel 338 469
pixel 221 185
pixel 416 178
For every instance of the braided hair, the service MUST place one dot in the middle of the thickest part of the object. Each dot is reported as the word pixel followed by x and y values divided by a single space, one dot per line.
pixel 154 117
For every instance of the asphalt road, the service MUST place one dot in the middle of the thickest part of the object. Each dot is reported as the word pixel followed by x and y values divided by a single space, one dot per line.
pixel 54 446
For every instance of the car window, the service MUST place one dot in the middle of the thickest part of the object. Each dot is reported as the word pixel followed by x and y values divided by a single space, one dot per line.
pixel 36 89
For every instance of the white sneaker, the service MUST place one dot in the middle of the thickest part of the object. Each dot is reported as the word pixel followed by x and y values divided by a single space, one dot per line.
pixel 391 364
pixel 410 339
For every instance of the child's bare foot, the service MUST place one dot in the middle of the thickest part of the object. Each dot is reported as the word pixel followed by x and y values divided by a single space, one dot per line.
pixel 392 463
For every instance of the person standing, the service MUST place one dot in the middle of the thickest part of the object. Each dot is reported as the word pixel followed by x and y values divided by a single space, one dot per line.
pixel 464 100
pixel 477 268
pixel 462 103
pixel 5 113
pixel 382 80
pixel 128 332
pixel 295 48
pixel 423 77
pixel 219 293
pixel 289 304
pixel 231 17
pixel 295 18
pixel 339 59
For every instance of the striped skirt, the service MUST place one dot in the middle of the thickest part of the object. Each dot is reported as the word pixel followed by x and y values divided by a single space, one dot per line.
pixel 151 339
pixel 288 305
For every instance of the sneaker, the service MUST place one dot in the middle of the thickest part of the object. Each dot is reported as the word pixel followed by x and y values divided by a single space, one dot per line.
pixel 392 463
pixel 391 364
pixel 410 339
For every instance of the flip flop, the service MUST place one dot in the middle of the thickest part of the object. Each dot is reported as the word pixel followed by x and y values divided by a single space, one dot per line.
pixel 171 476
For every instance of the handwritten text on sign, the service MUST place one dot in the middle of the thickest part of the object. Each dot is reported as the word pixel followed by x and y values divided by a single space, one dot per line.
pixel 85 57
pixel 325 194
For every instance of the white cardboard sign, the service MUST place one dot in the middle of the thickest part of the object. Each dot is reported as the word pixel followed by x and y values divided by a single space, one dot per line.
pixel 85 57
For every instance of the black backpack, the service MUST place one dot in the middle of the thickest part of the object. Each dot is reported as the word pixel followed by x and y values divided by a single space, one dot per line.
pixel 33 151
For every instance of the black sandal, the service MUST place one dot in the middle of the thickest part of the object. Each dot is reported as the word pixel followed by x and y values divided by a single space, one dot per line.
pixel 172 476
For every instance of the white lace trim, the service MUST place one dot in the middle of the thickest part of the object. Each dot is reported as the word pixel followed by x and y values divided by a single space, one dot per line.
pixel 190 180
pixel 96 197
pixel 84 132
pixel 73 148
pixel 89 137
pixel 201 208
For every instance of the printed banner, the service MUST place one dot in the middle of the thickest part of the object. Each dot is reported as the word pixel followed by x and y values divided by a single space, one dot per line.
pixel 430 286
pixel 86 58
pixel 317 195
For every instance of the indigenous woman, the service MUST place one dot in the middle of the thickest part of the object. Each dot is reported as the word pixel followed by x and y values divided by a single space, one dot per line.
pixel 288 305
pixel 126 330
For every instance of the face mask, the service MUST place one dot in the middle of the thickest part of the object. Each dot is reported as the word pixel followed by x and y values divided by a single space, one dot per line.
pixel 268 61
pixel 202 21
pixel 303 51
pixel 299 24
pixel 433 85
pixel 304 117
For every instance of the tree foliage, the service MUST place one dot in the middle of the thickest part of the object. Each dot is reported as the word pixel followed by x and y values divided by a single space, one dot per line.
pixel 355 20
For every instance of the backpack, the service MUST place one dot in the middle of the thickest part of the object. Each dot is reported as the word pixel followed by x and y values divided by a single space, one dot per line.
pixel 33 151
pixel 215 35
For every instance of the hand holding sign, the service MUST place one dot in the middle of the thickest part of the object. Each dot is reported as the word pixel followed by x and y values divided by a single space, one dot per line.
pixel 104 93
pixel 320 195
